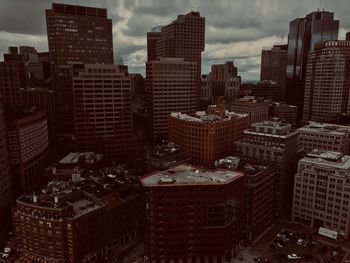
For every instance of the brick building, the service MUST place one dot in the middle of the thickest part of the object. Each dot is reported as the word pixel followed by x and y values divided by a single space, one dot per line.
pixel 257 110
pixel 193 215
pixel 259 181
pixel 89 219
pixel 207 137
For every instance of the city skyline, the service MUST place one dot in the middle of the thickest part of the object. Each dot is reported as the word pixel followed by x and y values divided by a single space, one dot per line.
pixel 235 31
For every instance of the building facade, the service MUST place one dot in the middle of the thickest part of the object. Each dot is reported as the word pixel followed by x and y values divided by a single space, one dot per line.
pixel 171 86
pixel 267 89
pixel 5 175
pixel 327 81
pixel 193 215
pixel 43 100
pixel 90 219
pixel 13 77
pixel 304 33
pixel 274 66
pixel 322 192
pixel 207 137
pixel 182 38
pixel 76 34
pixel 257 110
pixel 324 137
pixel 102 110
pixel 285 112
pixel 259 182
pixel 28 144
pixel 273 142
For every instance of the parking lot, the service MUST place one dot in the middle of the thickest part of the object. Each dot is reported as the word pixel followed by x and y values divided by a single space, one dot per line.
pixel 286 242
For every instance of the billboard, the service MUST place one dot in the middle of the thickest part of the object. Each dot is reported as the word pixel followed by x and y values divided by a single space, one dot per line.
pixel 328 233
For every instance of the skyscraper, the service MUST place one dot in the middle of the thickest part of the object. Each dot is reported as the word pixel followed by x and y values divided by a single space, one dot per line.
pixel 182 38
pixel 5 176
pixel 76 34
pixel 102 110
pixel 13 77
pixel 327 83
pixel 274 66
pixel 171 85
pixel 304 33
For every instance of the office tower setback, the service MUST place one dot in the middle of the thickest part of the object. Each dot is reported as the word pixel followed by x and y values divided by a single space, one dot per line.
pixel 13 77
pixel 76 34
pixel 171 86
pixel 28 147
pixel 322 192
pixel 324 137
pixel 102 110
pixel 273 142
pixel 257 110
pixel 304 33
pixel 207 137
pixel 206 227
pixel 327 81
pixel 182 38
pixel 88 219
pixel 274 66
pixel 5 175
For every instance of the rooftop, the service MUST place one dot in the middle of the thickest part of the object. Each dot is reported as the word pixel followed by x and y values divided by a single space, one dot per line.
pixel 325 128
pixel 189 175
pixel 202 116
pixel 165 150
pixel 94 185
pixel 328 158
pixel 73 157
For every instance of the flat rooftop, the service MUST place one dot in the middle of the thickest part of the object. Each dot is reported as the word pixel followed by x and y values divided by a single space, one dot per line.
pixel 73 157
pixel 202 116
pixel 328 128
pixel 189 175
pixel 328 158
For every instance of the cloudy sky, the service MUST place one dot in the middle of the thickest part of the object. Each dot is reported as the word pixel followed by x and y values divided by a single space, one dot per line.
pixel 235 29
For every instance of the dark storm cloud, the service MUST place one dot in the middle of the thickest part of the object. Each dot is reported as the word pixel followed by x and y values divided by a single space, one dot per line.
pixel 244 24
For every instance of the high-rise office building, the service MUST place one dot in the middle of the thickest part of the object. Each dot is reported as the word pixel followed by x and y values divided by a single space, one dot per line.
pixel 182 38
pixel 171 86
pixel 273 142
pixel 322 192
pixel 76 34
pixel 304 33
pixel 28 148
pixel 5 176
pixel 274 66
pixel 193 215
pixel 102 110
pixel 13 77
pixel 327 83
